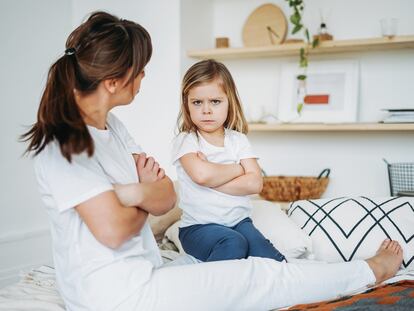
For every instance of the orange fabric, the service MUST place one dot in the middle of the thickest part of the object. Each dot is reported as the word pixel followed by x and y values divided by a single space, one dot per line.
pixel 384 295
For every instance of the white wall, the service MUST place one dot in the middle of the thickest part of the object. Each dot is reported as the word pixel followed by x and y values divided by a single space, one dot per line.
pixel 196 24
pixel 385 82
pixel 32 35
pixel 151 117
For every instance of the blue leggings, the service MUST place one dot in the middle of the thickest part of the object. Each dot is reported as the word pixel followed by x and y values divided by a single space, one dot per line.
pixel 212 242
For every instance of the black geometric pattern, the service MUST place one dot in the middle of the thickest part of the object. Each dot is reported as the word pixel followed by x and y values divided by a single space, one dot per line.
pixel 346 227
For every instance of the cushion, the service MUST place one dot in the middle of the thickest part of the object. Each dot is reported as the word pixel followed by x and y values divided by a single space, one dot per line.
pixel 159 224
pixel 274 224
pixel 349 228
pixel 172 235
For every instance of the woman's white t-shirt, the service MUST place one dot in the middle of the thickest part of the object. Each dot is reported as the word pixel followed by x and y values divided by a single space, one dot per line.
pixel 203 205
pixel 91 276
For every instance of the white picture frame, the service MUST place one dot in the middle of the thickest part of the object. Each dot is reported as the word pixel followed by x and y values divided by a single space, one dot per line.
pixel 336 80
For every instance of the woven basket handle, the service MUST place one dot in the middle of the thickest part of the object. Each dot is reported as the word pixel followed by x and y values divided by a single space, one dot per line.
pixel 326 172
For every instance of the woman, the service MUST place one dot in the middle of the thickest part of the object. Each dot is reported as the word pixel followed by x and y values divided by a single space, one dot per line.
pixel 99 187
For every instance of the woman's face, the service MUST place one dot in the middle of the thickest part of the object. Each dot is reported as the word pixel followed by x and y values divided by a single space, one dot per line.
pixel 136 84
pixel 127 92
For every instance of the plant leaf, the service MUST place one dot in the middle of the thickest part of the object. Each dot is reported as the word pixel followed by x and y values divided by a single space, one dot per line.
pixel 303 62
pixel 290 2
pixel 301 77
pixel 299 108
pixel 296 29
pixel 315 43
pixel 303 59
pixel 295 18
pixel 307 35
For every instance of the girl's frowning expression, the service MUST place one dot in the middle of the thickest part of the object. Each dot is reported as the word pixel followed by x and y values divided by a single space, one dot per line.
pixel 208 105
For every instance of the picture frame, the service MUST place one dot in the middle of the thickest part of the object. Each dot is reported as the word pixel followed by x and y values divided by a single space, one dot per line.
pixel 331 92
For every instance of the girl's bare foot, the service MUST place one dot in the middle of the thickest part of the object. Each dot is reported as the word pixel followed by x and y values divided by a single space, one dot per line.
pixel 386 262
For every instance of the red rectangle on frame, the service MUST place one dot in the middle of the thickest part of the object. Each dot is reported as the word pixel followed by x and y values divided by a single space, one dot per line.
pixel 317 99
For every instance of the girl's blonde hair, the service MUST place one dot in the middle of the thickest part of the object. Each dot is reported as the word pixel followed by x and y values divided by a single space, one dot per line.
pixel 207 71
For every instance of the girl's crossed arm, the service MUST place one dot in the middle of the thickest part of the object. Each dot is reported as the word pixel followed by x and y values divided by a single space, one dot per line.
pixel 251 182
pixel 209 174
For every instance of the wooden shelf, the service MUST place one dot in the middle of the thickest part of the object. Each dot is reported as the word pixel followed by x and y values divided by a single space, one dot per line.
pixel 290 49
pixel 337 127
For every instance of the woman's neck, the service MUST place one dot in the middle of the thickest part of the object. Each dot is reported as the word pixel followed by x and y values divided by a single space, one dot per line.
pixel 94 110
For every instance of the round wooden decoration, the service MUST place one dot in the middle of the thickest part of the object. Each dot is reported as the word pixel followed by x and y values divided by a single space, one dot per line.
pixel 267 25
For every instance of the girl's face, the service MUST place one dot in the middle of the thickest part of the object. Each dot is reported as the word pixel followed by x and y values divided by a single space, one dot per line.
pixel 208 105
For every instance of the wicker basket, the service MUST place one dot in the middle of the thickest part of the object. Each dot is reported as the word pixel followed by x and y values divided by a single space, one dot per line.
pixel 292 188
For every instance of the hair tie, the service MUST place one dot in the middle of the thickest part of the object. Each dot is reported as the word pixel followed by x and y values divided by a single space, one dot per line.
pixel 70 51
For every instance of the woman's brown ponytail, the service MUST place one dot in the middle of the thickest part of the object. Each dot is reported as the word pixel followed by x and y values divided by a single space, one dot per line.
pixel 103 47
pixel 58 116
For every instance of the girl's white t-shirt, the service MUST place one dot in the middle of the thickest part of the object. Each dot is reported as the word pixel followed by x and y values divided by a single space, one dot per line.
pixel 91 276
pixel 203 205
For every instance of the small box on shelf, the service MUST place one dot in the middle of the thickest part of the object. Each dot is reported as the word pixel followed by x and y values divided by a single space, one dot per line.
pixel 222 42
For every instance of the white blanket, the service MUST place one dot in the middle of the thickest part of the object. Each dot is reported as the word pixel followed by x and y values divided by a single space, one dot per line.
pixel 37 291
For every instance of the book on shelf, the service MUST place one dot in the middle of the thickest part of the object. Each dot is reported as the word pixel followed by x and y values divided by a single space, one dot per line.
pixel 399 116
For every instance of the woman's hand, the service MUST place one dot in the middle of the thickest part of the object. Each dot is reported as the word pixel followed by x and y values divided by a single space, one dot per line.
pixel 128 194
pixel 154 193
pixel 148 169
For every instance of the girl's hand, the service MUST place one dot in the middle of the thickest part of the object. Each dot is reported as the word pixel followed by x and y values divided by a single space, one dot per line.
pixel 148 169
pixel 202 156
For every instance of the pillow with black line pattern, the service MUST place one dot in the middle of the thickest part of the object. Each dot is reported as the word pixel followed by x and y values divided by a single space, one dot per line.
pixel 347 228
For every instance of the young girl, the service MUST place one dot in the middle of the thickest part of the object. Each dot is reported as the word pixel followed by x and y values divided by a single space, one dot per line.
pixel 98 198
pixel 217 169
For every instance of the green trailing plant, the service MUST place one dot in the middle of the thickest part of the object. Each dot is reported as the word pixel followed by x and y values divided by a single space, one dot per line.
pixel 296 20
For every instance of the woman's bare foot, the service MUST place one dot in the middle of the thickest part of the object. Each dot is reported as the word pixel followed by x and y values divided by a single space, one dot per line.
pixel 386 262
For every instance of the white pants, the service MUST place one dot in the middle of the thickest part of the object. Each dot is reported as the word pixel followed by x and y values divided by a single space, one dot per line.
pixel 247 284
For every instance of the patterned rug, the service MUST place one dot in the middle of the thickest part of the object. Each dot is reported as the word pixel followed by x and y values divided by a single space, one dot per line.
pixel 398 296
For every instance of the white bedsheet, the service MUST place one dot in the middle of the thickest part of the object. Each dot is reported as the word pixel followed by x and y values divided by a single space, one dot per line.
pixel 37 291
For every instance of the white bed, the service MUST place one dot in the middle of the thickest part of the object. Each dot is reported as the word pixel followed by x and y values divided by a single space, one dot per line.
pixel 37 288
pixel 36 291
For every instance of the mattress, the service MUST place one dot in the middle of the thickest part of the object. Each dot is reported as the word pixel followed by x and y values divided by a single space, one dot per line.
pixel 37 291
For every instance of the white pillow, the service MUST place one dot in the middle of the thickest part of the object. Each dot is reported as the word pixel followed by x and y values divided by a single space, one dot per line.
pixel 274 224
pixel 284 234
pixel 343 229
pixel 172 235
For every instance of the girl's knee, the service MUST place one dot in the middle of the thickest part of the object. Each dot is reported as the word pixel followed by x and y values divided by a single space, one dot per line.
pixel 236 246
